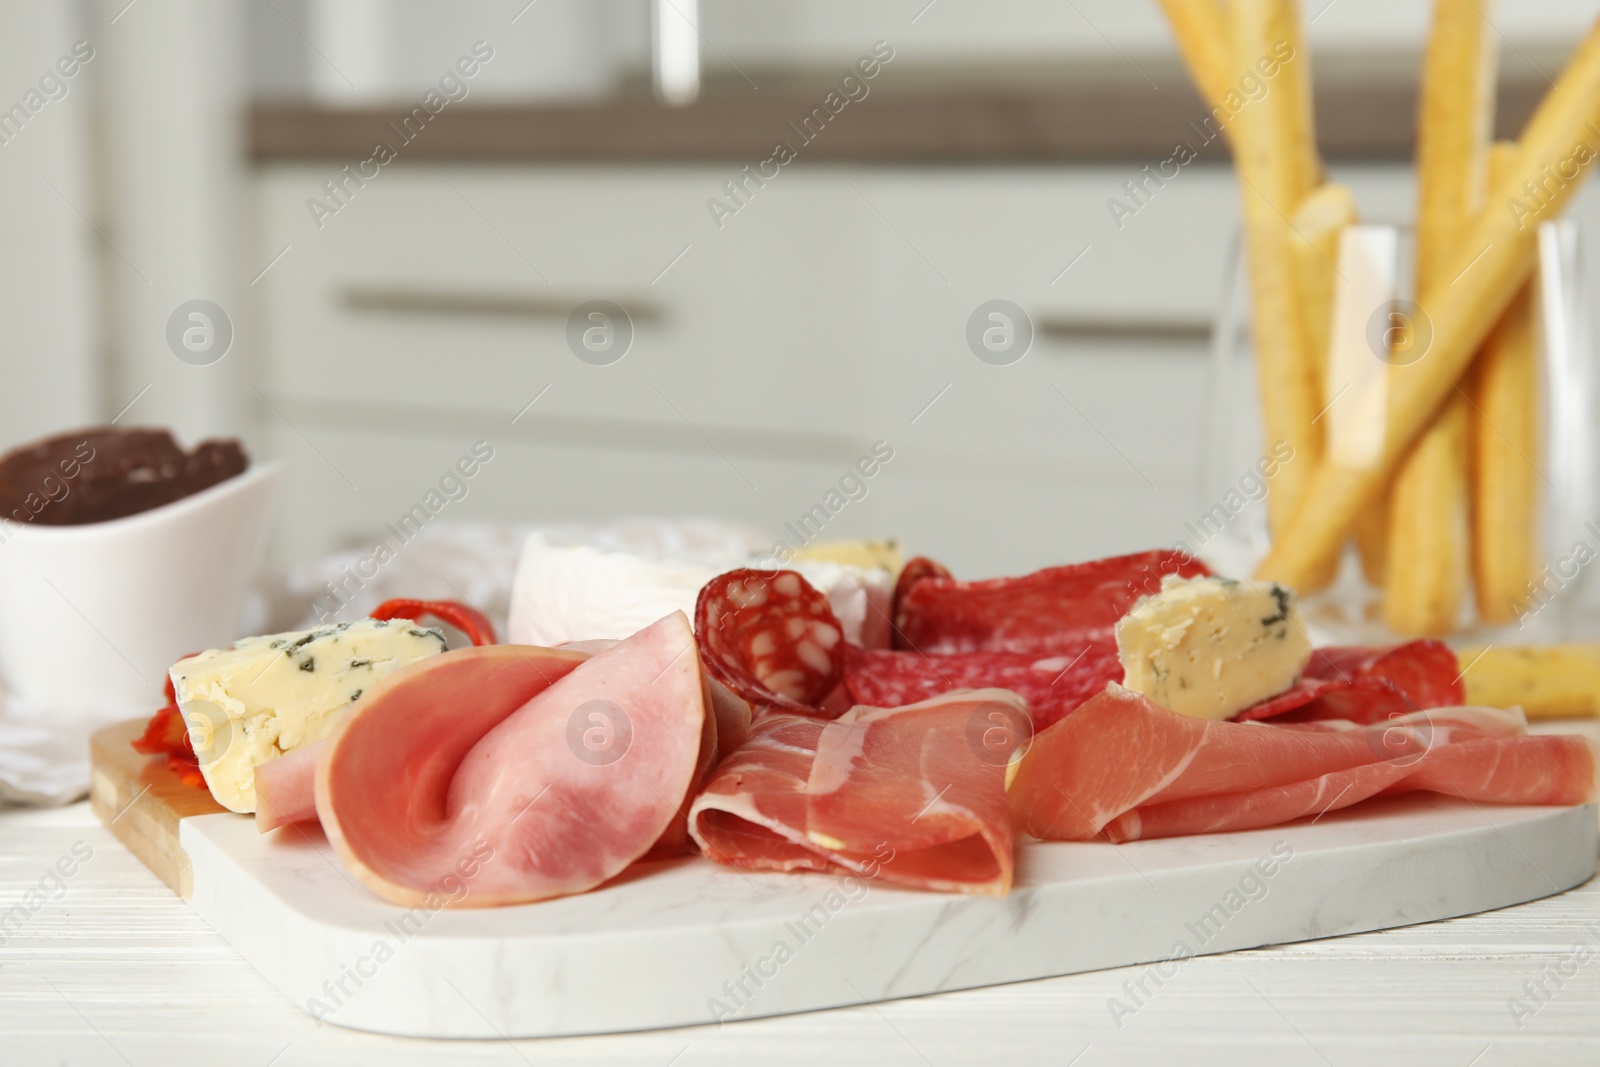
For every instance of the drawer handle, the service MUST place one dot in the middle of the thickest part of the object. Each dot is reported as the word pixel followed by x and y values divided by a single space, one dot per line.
pixel 1189 329
pixel 399 301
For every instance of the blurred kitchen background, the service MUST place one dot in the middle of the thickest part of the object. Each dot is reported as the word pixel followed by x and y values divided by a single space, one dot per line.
pixel 426 306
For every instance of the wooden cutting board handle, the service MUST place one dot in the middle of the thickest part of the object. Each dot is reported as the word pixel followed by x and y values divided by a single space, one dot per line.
pixel 141 802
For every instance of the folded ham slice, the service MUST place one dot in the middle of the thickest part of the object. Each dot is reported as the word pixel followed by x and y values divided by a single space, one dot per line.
pixel 286 788
pixel 1123 767
pixel 506 774
pixel 912 795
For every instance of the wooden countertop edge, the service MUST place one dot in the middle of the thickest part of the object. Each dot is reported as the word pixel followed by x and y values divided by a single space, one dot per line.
pixel 1372 121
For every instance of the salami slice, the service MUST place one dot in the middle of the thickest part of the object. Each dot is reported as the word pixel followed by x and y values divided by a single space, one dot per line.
pixel 771 637
pixel 1367 685
pixel 1050 612
pixel 913 572
pixel 1053 686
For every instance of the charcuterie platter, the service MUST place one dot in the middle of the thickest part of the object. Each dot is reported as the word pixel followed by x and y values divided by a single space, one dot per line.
pixel 685 942
pixel 1126 761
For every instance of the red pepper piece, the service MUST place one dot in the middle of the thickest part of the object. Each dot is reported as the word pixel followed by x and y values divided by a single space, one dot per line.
pixel 464 617
pixel 166 734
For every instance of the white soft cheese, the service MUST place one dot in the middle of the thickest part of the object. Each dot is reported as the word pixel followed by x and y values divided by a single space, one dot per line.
pixel 1211 647
pixel 565 593
pixel 270 695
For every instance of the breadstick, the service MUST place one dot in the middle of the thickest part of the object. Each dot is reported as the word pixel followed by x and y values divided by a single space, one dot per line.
pixel 1202 33
pixel 1548 682
pixel 1425 567
pixel 1504 436
pixel 1314 246
pixel 1489 266
pixel 1298 128
pixel 1315 230
pixel 1426 570
pixel 1274 180
pixel 1372 540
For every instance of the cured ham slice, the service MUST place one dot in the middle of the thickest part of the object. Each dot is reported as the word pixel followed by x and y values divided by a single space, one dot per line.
pixel 1549 769
pixel 1054 611
pixel 912 795
pixel 770 637
pixel 1365 684
pixel 1122 766
pixel 1052 685
pixel 508 774
pixel 752 813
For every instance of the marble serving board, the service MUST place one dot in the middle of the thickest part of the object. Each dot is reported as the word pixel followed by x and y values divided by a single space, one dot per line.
pixel 685 942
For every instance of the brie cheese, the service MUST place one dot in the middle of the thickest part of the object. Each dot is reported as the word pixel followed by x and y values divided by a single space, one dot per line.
pixel 564 593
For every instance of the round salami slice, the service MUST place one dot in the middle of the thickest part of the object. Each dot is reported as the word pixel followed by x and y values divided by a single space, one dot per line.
pixel 913 572
pixel 771 637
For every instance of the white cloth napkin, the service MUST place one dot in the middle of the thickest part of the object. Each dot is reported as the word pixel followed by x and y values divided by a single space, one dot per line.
pixel 44 758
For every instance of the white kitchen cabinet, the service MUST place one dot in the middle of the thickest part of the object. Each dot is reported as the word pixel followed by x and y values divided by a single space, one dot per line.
pixel 827 314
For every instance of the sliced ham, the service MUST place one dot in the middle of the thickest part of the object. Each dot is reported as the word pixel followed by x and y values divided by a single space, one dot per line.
pixel 286 786
pixel 286 789
pixel 913 795
pixel 1122 766
pixel 508 774
pixel 1366 684
pixel 1055 611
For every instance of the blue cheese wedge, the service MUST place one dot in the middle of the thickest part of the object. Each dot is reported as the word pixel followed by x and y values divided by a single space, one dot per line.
pixel 1211 647
pixel 270 695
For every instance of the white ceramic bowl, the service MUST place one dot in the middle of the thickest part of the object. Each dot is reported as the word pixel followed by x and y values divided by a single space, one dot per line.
pixel 92 616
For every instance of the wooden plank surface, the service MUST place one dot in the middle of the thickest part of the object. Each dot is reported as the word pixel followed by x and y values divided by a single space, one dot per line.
pixel 141 801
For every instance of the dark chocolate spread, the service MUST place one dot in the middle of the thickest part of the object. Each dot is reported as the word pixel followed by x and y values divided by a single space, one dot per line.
pixel 106 472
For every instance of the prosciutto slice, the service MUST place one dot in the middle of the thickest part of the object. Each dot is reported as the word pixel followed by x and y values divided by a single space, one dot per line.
pixel 508 774
pixel 1055 611
pixel 1363 684
pixel 1548 769
pixel 1123 767
pixel 913 795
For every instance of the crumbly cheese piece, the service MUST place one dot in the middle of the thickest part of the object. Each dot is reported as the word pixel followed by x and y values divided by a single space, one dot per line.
pixel 1211 647
pixel 270 695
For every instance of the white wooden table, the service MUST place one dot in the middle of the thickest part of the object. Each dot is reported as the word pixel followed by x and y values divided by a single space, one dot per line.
pixel 118 970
